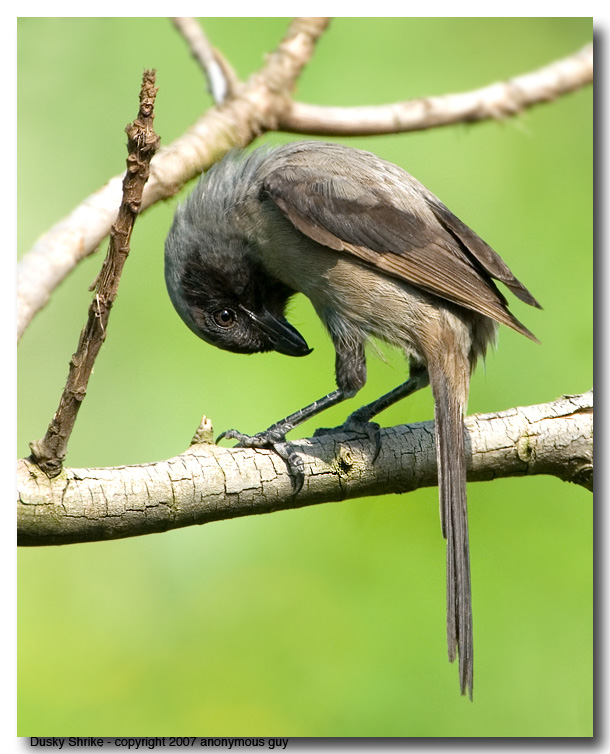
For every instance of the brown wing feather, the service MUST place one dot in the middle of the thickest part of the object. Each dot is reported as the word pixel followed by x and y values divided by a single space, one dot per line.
pixel 420 242
pixel 483 253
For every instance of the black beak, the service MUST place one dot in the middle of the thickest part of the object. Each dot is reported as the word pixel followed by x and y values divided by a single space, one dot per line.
pixel 283 337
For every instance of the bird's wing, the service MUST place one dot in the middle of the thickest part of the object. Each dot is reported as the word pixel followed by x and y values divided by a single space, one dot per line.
pixel 384 217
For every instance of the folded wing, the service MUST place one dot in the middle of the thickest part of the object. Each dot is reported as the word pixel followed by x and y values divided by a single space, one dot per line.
pixel 395 224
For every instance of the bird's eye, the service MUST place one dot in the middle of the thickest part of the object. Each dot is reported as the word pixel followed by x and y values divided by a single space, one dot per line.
pixel 225 318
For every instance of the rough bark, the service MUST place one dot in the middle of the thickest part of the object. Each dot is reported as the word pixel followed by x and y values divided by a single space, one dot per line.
pixel 211 483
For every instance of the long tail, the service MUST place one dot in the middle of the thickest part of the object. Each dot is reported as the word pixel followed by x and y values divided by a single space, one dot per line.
pixel 449 410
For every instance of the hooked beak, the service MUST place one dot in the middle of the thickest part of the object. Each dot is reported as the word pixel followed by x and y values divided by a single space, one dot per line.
pixel 283 336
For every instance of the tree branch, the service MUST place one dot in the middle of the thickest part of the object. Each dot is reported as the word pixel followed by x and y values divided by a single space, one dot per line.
pixel 222 80
pixel 496 101
pixel 264 104
pixel 210 483
pixel 142 143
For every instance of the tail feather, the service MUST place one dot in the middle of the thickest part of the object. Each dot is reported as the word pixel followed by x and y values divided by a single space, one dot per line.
pixel 454 521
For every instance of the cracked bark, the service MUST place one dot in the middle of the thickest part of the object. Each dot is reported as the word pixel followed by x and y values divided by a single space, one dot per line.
pixel 210 483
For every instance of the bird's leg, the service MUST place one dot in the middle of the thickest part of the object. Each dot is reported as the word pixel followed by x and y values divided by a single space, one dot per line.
pixel 360 422
pixel 277 432
pixel 350 368
pixel 275 436
pixel 418 378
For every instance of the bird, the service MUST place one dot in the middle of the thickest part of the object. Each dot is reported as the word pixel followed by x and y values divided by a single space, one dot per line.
pixel 380 257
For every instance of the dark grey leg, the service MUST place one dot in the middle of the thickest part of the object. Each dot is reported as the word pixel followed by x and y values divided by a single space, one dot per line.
pixel 360 422
pixel 275 436
pixel 417 379
pixel 350 368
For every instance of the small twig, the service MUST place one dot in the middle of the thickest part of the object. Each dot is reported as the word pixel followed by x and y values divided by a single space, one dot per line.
pixel 49 453
pixel 204 435
pixel 496 101
pixel 222 80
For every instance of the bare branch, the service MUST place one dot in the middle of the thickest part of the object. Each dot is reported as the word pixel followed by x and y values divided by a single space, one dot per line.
pixel 496 101
pixel 59 250
pixel 236 123
pixel 210 483
pixel 264 104
pixel 222 80
pixel 142 143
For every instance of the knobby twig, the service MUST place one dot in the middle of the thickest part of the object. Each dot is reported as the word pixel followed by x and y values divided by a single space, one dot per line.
pixel 263 104
pixel 211 483
pixel 49 453
pixel 497 101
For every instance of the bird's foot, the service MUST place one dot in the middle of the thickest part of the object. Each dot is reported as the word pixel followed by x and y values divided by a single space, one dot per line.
pixel 355 424
pixel 274 439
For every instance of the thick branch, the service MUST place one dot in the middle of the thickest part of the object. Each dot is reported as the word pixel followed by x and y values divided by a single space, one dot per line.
pixel 237 122
pixel 496 101
pixel 210 483
pixel 142 142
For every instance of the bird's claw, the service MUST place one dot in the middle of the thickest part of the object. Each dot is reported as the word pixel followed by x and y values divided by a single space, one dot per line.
pixel 355 425
pixel 260 440
pixel 274 440
pixel 295 464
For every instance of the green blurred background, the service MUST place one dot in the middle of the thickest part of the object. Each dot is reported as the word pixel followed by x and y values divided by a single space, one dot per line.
pixel 327 621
